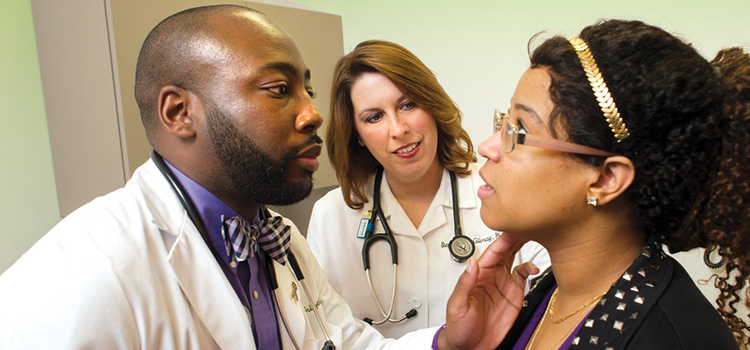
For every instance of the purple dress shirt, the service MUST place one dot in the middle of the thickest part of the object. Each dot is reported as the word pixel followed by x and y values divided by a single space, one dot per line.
pixel 248 278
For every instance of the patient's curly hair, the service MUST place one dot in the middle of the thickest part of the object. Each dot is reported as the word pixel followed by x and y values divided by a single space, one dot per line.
pixel 689 131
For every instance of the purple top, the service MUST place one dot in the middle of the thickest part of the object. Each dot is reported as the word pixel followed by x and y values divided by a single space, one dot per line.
pixel 523 340
pixel 249 277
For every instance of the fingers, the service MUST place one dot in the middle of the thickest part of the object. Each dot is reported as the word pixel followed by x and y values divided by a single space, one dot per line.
pixel 523 271
pixel 459 300
pixel 516 246
pixel 501 251
pixel 513 239
pixel 496 253
pixel 461 315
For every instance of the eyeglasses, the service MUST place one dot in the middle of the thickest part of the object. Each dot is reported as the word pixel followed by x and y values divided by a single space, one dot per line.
pixel 510 137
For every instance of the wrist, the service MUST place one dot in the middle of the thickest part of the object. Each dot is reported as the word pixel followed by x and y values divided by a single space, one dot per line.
pixel 435 339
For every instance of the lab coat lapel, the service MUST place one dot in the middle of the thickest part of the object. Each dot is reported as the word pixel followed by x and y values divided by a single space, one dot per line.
pixel 442 206
pixel 398 221
pixel 199 275
pixel 209 292
pixel 466 192
pixel 435 216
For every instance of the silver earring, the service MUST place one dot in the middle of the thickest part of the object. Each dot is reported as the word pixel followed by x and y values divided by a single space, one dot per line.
pixel 592 201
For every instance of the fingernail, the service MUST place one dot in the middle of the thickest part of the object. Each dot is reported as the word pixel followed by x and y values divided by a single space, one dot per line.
pixel 470 265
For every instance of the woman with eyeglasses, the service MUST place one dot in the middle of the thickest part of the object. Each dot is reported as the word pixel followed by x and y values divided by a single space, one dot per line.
pixel 400 154
pixel 617 144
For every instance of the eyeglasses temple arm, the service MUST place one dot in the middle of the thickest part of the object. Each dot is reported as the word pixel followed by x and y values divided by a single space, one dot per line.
pixel 553 144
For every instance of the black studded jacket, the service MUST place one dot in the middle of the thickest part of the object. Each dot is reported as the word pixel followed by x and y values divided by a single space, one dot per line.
pixel 653 305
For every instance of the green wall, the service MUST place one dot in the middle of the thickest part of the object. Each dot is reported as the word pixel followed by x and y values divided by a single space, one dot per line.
pixel 476 47
pixel 28 201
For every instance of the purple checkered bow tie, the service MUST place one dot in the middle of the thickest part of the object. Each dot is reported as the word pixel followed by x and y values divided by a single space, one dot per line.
pixel 243 238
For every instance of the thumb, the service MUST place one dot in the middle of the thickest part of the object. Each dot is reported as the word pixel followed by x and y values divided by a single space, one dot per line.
pixel 459 301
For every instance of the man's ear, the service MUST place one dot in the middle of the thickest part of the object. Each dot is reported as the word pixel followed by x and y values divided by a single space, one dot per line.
pixel 614 177
pixel 177 107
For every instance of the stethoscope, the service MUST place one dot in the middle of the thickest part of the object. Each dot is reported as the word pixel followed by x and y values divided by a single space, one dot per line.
pixel 460 246
pixel 270 270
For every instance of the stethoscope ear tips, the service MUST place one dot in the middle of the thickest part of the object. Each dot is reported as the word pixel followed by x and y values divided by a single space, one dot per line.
pixel 367 320
pixel 328 345
pixel 411 313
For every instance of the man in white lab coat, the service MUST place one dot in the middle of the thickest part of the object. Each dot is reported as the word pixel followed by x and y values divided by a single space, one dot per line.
pixel 225 98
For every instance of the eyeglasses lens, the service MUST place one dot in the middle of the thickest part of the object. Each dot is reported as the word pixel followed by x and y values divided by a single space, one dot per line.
pixel 502 125
pixel 497 122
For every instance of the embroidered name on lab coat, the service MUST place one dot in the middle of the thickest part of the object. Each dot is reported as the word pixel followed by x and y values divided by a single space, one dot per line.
pixel 477 240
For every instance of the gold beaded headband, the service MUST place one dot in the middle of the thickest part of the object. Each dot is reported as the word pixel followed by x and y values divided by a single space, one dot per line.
pixel 600 89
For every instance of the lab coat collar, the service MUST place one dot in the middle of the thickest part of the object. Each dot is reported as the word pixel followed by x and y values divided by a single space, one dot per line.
pixel 393 212
pixel 196 270
pixel 443 203
pixel 435 215
pixel 466 191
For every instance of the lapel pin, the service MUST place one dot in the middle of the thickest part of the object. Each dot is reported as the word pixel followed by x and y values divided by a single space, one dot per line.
pixel 294 292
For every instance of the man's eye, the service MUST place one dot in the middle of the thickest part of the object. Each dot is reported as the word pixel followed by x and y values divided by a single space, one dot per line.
pixel 280 89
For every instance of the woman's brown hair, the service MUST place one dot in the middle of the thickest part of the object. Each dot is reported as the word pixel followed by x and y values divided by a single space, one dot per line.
pixel 353 163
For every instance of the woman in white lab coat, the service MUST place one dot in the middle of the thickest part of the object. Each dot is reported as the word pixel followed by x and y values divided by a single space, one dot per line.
pixel 390 112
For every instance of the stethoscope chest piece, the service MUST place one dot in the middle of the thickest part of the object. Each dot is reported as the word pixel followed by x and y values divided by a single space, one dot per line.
pixel 461 248
pixel 329 345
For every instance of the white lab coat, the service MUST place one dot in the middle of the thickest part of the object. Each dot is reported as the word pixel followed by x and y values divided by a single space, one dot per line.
pixel 130 271
pixel 426 272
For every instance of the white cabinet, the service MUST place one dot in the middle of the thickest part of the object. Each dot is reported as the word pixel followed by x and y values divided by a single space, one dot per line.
pixel 87 54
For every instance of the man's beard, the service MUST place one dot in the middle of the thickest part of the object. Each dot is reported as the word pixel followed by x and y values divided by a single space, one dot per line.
pixel 255 175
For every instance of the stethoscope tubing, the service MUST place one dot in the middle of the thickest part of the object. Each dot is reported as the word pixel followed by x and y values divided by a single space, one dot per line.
pixel 371 237
pixel 386 317
pixel 185 201
pixel 297 271
pixel 294 265
pixel 457 230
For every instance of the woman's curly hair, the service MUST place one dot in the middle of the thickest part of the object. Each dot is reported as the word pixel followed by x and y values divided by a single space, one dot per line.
pixel 689 131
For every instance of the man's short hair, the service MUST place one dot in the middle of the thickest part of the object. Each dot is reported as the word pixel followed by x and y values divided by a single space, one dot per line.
pixel 168 57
